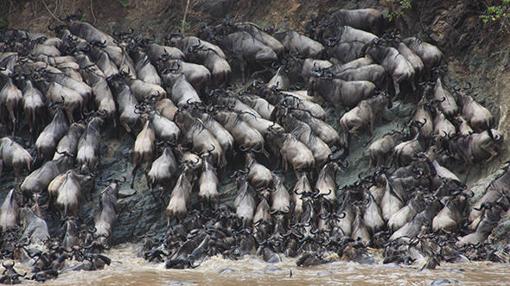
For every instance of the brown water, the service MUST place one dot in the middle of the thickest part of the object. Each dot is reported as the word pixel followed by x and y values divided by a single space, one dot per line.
pixel 127 269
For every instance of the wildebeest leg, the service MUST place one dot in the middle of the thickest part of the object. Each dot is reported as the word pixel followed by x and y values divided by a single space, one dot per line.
pixel 133 175
pixel 242 66
pixel 215 204
pixel 284 164
pixel 1 166
pixel 69 114
pixel 13 120
pixel 17 175
pixel 148 181
pixel 264 70
pixel 371 161
pixel 355 129
pixel 161 196
pixel 153 195
pixel 396 86
pixel 126 127
pixel 493 155
pixel 376 161
pixel 413 86
pixel 31 126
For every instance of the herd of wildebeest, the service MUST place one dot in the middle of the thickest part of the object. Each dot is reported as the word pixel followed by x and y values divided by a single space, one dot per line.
pixel 195 124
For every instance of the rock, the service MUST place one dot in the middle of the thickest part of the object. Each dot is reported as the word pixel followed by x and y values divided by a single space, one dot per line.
pixel 126 192
pixel 272 268
pixel 442 282
pixel 324 273
pixel 501 233
pixel 226 271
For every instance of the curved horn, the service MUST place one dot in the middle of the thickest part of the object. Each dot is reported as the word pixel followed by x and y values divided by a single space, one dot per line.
pixel 65 153
pixel 471 194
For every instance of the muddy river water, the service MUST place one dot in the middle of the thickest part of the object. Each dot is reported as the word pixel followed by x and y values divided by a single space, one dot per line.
pixel 127 269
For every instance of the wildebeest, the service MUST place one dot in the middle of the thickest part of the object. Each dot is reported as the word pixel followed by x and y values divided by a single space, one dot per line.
pixel 33 106
pixel 367 19
pixel 364 115
pixel 88 146
pixel 373 73
pixel 108 210
pixel 207 54
pixel 475 147
pixel 479 117
pixel 300 44
pixel 393 62
pixel 339 92
pixel 380 150
pixel 429 54
pixel 290 151
pixel 164 168
pixel 35 228
pixel 50 136
pixel 201 140
pixel 127 103
pixel 248 49
pixel 348 43
pixel 143 150
pixel 14 156
pixel 9 211
pixel 259 176
pixel 177 206
pixel 10 99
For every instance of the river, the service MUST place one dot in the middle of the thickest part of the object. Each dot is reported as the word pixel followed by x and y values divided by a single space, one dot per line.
pixel 128 269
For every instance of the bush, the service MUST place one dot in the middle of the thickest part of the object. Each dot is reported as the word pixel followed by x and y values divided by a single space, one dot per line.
pixel 496 11
pixel 3 23
pixel 124 3
pixel 397 8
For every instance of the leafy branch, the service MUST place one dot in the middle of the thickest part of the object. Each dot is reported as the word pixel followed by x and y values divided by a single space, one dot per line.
pixel 398 8
pixel 497 13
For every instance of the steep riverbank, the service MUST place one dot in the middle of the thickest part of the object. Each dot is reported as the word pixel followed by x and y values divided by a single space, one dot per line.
pixel 453 25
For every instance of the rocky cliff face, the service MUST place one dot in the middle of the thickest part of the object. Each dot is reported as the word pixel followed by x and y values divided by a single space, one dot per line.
pixel 475 53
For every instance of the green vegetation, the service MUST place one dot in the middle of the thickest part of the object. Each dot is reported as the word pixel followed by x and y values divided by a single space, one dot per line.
pixel 185 26
pixel 5 7
pixel 397 8
pixel 124 3
pixel 3 23
pixel 496 11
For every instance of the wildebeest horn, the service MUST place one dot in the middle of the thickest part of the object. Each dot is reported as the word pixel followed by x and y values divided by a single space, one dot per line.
pixel 124 179
pixel 238 173
pixel 297 193
pixel 419 124
pixel 273 212
pixel 471 194
pixel 491 135
pixel 318 195
pixel 324 216
pixel 65 153
pixel 483 206
pixel 341 215
pixel 173 35
pixel 11 265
